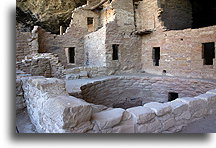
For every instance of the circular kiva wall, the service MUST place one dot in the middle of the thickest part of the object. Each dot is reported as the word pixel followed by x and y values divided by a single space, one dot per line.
pixel 125 92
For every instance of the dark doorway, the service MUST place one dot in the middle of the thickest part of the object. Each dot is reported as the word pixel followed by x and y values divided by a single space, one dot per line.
pixel 208 53
pixel 156 56
pixel 71 54
pixel 115 48
pixel 172 96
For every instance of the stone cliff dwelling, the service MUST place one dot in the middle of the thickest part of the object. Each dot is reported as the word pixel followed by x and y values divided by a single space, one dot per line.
pixel 121 66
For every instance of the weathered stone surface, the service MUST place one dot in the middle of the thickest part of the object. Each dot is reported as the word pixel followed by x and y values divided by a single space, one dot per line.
pixel 51 109
pixel 51 86
pixel 213 91
pixel 168 123
pixel 159 108
pixel 20 101
pixel 98 108
pixel 82 127
pixel 22 45
pixel 70 110
pixel 198 107
pixel 129 91
pixel 186 115
pixel 178 107
pixel 210 98
pixel 46 64
pixel 141 114
pixel 108 118
pixel 153 126
pixel 124 127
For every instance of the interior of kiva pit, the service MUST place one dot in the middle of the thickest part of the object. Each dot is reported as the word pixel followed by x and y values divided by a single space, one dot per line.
pixel 120 66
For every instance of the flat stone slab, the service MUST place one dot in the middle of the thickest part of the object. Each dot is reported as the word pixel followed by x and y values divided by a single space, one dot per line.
pixel 210 98
pixel 213 91
pixel 68 110
pixel 178 107
pixel 197 106
pixel 159 108
pixel 141 114
pixel 108 118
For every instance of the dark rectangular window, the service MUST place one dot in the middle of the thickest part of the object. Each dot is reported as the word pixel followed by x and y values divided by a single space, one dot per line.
pixel 90 20
pixel 172 96
pixel 156 56
pixel 115 51
pixel 71 54
pixel 90 24
pixel 208 53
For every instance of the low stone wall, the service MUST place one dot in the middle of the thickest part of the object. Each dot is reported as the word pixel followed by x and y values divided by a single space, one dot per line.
pixel 23 40
pixel 84 72
pixel 20 101
pixel 52 110
pixel 129 91
pixel 155 117
pixel 46 64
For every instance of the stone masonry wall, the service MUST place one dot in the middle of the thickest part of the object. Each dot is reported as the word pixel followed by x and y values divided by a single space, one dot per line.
pixel 130 91
pixel 85 72
pixel 52 111
pixel 23 40
pixel 20 101
pixel 147 13
pixel 50 108
pixel 107 15
pixel 94 46
pixel 129 50
pixel 79 18
pixel 124 14
pixel 46 64
pixel 180 52
pixel 57 44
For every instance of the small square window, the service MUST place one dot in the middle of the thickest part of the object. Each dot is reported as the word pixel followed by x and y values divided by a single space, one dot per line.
pixel 172 96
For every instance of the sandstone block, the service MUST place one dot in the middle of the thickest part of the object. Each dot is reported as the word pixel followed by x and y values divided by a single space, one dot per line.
pixel 141 114
pixel 159 108
pixel 108 118
pixel 82 127
pixel 52 86
pixel 197 106
pixel 213 91
pixel 210 98
pixel 154 126
pixel 68 111
pixel 168 123
pixel 186 115
pixel 124 127
pixel 178 107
